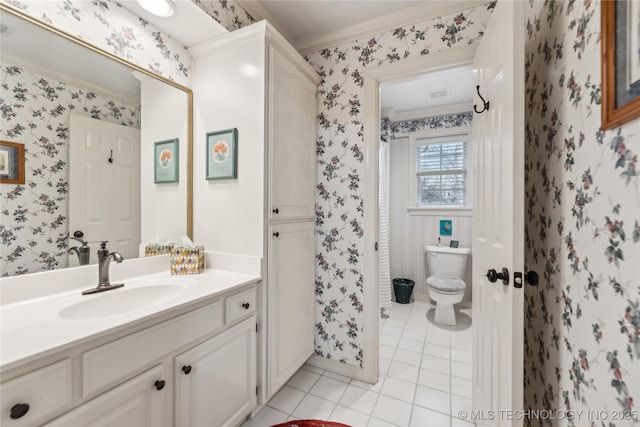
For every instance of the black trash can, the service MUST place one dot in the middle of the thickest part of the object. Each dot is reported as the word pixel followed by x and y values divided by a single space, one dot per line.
pixel 402 288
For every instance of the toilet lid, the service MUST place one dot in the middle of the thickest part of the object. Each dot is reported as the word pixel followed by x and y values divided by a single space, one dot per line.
pixel 446 284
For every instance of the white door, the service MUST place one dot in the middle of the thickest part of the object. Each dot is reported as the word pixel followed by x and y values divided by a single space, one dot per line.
pixel 292 140
pixel 139 402
pixel 216 380
pixel 291 300
pixel 498 230
pixel 104 197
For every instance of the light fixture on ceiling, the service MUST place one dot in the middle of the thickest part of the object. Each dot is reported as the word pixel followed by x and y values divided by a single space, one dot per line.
pixel 162 8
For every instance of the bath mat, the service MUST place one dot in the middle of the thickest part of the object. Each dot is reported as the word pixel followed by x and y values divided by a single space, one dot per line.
pixel 311 423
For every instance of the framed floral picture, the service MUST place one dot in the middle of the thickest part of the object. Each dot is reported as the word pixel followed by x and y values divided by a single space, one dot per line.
pixel 620 62
pixel 165 161
pixel 11 163
pixel 222 154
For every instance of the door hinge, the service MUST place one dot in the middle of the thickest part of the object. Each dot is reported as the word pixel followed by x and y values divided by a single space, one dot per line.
pixel 376 246
pixel 257 391
pixel 256 327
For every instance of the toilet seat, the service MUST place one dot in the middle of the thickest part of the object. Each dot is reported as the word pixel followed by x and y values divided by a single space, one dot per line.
pixel 446 284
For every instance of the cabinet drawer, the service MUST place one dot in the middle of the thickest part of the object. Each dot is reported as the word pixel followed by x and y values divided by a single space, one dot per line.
pixel 45 391
pixel 241 305
pixel 111 363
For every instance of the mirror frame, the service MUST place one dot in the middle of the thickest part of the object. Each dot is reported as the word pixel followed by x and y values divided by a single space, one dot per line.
pixel 135 67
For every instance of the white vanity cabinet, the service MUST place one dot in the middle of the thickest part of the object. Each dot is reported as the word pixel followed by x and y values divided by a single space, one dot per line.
pixel 291 304
pixel 138 402
pixel 216 380
pixel 138 377
pixel 268 92
pixel 292 140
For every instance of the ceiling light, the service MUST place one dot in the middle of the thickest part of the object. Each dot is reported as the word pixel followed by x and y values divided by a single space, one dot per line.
pixel 163 8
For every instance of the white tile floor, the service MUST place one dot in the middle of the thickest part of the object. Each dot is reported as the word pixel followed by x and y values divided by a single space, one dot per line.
pixel 425 379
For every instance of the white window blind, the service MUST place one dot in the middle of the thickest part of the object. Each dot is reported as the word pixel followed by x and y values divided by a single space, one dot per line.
pixel 441 171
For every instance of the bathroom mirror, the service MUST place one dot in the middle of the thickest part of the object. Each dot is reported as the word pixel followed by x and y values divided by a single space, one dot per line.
pixel 67 101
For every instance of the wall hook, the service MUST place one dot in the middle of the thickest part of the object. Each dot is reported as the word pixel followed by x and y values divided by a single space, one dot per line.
pixel 486 103
pixel 110 160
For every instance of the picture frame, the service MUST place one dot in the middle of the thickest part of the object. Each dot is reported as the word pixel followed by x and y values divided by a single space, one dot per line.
pixel 454 244
pixel 620 22
pixel 11 163
pixel 166 161
pixel 445 227
pixel 222 154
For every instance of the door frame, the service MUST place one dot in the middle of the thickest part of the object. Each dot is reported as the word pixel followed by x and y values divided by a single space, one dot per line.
pixel 372 80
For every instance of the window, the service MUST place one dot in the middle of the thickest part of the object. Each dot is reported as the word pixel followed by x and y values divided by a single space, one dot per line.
pixel 441 171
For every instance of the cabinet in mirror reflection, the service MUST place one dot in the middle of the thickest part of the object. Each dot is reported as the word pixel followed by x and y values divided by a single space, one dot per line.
pixel 47 79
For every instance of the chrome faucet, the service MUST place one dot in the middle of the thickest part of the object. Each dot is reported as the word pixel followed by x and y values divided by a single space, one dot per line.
pixel 83 252
pixel 104 260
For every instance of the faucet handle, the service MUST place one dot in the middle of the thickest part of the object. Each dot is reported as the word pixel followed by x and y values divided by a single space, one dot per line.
pixel 103 244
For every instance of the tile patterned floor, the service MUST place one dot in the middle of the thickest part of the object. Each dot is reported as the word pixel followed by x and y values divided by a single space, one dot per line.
pixel 425 379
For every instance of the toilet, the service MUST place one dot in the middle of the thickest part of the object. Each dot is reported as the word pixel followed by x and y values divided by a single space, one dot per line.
pixel 445 268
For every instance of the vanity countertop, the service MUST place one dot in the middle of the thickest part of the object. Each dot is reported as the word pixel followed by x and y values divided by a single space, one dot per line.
pixel 36 327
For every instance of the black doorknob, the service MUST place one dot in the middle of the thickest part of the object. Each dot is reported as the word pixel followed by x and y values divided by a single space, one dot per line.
pixel 494 276
pixel 532 278
pixel 276 234
pixel 276 211
pixel 186 369
pixel 159 384
pixel 19 410
pixel 246 306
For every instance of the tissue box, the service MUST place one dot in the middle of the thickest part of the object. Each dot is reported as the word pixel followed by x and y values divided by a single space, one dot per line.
pixel 153 249
pixel 187 260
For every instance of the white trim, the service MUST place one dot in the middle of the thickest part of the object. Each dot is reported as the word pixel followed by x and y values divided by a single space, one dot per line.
pixel 422 113
pixel 258 12
pixel 386 22
pixel 251 32
pixel 371 113
pixel 441 211
pixel 332 365
pixel 315 42
pixel 227 40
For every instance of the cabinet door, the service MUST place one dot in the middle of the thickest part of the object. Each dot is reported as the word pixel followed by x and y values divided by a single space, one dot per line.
pixel 138 402
pixel 292 140
pixel 216 380
pixel 291 300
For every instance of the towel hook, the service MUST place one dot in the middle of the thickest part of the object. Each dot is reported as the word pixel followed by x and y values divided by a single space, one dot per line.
pixel 110 159
pixel 486 103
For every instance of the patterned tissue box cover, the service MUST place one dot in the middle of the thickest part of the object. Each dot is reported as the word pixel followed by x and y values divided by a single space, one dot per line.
pixel 153 249
pixel 187 260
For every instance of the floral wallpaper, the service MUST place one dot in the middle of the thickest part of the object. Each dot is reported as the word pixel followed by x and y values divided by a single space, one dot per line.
pixel 582 340
pixel 340 145
pixel 404 127
pixel 35 112
pixel 107 25
pixel 226 12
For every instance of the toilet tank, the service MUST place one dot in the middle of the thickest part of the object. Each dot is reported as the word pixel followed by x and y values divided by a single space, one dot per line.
pixel 445 261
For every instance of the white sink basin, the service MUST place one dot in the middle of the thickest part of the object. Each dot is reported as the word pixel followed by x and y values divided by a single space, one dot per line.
pixel 121 300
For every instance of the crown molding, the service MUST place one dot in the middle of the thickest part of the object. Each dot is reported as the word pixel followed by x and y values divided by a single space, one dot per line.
pixel 412 14
pixel 259 12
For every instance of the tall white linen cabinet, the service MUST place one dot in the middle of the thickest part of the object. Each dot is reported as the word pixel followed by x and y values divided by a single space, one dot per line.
pixel 253 80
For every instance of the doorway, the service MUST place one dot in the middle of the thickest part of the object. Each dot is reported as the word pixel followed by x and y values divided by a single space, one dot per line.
pixel 373 80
